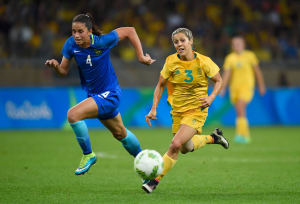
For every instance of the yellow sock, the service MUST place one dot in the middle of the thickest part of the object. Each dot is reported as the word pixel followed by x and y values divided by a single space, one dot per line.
pixel 168 165
pixel 201 140
pixel 242 127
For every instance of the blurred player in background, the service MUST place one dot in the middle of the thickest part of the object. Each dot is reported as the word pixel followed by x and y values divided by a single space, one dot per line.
pixel 91 51
pixel 186 74
pixel 240 68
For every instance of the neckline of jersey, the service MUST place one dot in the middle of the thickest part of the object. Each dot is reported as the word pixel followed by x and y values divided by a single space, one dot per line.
pixel 92 40
pixel 240 54
pixel 188 61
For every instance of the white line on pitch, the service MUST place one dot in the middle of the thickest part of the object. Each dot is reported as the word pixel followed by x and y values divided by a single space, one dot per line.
pixel 106 155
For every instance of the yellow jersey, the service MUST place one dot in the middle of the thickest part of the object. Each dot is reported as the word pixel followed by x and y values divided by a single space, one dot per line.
pixel 187 80
pixel 241 66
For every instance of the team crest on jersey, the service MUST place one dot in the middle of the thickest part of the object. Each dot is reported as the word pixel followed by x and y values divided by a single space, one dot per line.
pixel 177 71
pixel 98 52
pixel 199 71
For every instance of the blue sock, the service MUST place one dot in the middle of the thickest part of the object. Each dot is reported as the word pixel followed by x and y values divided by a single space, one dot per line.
pixel 82 136
pixel 131 143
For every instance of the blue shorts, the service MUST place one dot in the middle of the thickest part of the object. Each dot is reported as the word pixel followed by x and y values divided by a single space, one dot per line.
pixel 108 104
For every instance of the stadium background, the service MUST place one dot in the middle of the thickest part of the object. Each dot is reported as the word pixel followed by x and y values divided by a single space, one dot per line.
pixel 33 99
pixel 33 31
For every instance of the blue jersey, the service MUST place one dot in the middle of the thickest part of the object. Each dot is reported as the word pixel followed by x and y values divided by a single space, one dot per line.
pixel 95 68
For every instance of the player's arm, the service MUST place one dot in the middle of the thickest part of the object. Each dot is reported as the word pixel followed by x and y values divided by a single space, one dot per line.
pixel 62 68
pixel 130 33
pixel 260 80
pixel 226 77
pixel 156 98
pixel 206 101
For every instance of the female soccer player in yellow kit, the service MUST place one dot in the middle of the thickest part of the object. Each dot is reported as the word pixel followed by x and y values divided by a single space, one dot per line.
pixel 240 66
pixel 186 74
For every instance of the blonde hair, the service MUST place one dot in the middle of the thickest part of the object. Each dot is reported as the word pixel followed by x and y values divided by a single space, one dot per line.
pixel 185 31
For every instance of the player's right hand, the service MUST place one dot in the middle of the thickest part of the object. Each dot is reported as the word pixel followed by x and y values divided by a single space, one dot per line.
pixel 147 60
pixel 151 116
pixel 262 90
pixel 52 63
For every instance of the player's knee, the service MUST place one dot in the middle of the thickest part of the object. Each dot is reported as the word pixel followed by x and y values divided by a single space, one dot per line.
pixel 240 107
pixel 72 116
pixel 119 133
pixel 240 113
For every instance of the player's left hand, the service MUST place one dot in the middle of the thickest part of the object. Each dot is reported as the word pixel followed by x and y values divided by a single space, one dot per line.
pixel 205 102
pixel 147 60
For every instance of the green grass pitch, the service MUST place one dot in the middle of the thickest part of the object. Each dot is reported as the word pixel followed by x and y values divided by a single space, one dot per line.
pixel 38 167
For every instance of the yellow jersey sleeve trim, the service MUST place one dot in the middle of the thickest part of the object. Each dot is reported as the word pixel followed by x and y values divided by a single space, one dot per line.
pixel 164 75
pixel 227 62
pixel 212 68
pixel 213 74
pixel 93 41
pixel 254 59
pixel 165 72
pixel 166 78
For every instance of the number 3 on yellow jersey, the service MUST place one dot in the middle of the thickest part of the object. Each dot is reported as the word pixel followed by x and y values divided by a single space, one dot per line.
pixel 189 76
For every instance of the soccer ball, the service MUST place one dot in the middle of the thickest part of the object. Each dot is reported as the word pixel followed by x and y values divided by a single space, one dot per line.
pixel 148 164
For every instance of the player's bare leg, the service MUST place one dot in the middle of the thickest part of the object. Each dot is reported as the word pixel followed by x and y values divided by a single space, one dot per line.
pixel 76 115
pixel 183 135
pixel 125 136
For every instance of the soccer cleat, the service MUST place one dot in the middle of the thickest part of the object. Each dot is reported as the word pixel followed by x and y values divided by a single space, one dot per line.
pixel 218 137
pixel 145 181
pixel 150 185
pixel 86 162
pixel 242 140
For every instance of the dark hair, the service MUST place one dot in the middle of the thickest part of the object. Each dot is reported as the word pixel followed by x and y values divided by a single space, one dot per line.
pixel 88 20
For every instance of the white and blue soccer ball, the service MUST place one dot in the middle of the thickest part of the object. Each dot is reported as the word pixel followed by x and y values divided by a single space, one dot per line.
pixel 148 164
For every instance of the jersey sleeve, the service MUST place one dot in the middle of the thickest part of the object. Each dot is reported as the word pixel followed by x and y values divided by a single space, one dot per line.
pixel 210 68
pixel 166 72
pixel 227 62
pixel 254 60
pixel 67 49
pixel 106 41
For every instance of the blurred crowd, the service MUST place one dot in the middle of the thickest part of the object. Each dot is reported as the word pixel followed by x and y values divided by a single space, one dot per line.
pixel 38 29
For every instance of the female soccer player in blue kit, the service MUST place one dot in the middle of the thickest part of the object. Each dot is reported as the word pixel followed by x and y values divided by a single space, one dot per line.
pixel 91 51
